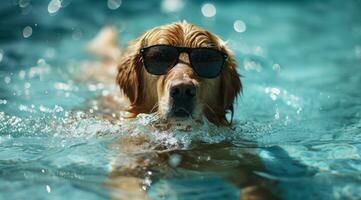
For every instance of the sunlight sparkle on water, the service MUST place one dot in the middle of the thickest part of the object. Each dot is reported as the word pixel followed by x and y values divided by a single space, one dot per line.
pixel 273 92
pixel 209 10
pixel 3 101
pixel 63 86
pixel 48 189
pixel 25 108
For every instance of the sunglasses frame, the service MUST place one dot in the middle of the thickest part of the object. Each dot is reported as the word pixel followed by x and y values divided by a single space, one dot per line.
pixel 188 51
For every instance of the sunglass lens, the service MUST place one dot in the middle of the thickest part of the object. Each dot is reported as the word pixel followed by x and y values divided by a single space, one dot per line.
pixel 158 59
pixel 207 63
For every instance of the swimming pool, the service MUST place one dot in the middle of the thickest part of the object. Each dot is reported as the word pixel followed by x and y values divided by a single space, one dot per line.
pixel 300 111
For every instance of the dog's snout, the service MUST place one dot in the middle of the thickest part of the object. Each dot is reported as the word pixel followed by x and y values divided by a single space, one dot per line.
pixel 182 90
pixel 182 94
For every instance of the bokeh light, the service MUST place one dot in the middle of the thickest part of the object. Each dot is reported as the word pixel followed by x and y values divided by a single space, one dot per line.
pixel 239 26
pixel 172 5
pixel 54 6
pixel 209 10
pixel 114 4
pixel 27 32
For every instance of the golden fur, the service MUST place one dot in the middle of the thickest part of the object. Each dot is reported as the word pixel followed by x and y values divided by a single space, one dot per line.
pixel 138 85
pixel 148 93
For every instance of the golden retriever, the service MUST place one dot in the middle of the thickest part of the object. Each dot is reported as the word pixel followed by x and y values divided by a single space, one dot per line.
pixel 146 92
pixel 168 71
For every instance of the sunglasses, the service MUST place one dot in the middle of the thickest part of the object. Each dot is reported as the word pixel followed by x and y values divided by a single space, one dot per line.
pixel 206 62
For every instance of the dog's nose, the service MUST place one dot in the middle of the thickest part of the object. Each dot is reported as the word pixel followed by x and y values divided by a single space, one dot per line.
pixel 184 90
pixel 183 93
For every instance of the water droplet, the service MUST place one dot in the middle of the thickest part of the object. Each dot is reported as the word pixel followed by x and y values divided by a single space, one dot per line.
pixel 27 85
pixel 48 189
pixel 62 86
pixel 58 108
pixel 27 32
pixel 277 114
pixel 275 91
pixel 114 4
pixel 3 101
pixel 22 74
pixel 44 109
pixel 273 96
pixel 147 181
pixel 209 10
pixel 7 79
pixel 250 64
pixel 41 61
pixel 175 160
pixel 276 67
pixel 24 3
pixel 239 26
pixel 54 6
pixel 172 5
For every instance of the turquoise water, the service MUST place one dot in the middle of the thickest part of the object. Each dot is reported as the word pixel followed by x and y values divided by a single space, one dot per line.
pixel 300 111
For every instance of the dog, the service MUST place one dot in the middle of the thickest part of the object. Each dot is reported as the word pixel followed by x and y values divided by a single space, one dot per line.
pixel 180 89
pixel 180 72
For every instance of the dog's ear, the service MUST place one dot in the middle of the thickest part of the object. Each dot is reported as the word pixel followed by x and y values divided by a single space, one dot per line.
pixel 130 74
pixel 231 85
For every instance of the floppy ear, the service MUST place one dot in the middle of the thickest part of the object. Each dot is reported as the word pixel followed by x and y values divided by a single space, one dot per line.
pixel 231 85
pixel 130 75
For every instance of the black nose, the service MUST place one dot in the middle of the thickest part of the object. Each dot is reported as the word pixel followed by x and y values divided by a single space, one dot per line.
pixel 182 94
pixel 183 90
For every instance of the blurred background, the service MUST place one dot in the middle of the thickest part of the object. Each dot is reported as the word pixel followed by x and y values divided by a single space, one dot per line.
pixel 300 61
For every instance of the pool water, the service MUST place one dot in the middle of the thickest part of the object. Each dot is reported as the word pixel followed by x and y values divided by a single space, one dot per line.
pixel 300 111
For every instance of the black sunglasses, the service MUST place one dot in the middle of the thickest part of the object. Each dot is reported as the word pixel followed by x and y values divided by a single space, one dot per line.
pixel 206 62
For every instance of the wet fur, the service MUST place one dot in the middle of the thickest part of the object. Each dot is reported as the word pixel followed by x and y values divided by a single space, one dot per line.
pixel 138 85
pixel 139 96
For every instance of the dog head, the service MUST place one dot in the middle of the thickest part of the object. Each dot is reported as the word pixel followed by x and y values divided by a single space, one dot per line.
pixel 180 92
